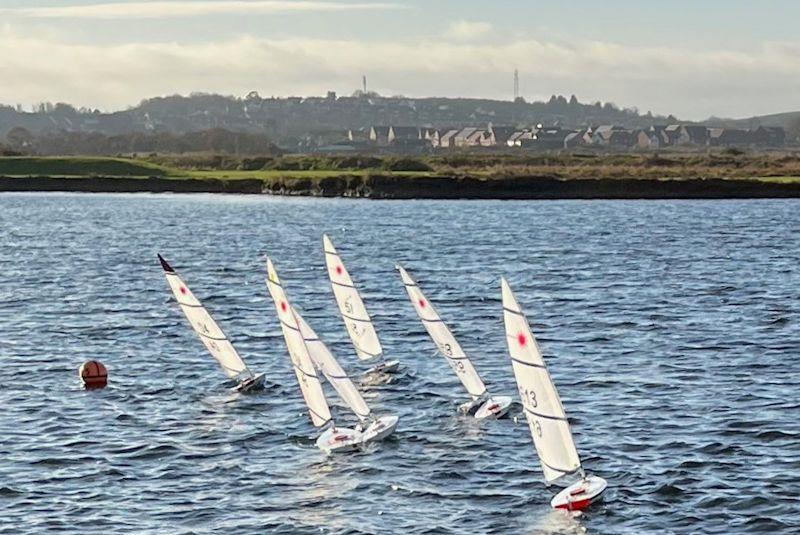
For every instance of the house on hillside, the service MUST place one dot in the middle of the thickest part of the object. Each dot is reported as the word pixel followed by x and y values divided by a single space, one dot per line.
pixel 575 139
pixel 641 139
pixel 692 134
pixel 460 139
pixel 728 137
pixel 766 136
pixel 658 136
pixel 358 135
pixel 516 139
pixel 448 139
pixel 672 134
pixel 601 135
pixel 620 139
pixel 475 139
pixel 497 136
pixel 551 137
pixel 379 135
pixel 403 133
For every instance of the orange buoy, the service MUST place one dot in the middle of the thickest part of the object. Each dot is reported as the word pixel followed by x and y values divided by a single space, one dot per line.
pixel 93 374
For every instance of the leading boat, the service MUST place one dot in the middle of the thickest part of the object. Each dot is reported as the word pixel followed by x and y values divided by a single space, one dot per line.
pixel 333 439
pixel 374 427
pixel 211 334
pixel 547 420
pixel 482 404
pixel 354 313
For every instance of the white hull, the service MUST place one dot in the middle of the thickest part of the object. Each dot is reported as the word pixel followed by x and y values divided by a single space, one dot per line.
pixel 580 495
pixel 339 440
pixel 380 429
pixel 390 366
pixel 495 407
pixel 249 385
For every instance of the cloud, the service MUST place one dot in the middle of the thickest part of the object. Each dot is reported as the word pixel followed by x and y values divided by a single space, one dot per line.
pixel 464 29
pixel 189 8
pixel 667 80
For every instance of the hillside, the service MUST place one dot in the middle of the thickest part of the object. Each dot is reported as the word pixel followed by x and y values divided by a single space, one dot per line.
pixel 783 120
pixel 294 121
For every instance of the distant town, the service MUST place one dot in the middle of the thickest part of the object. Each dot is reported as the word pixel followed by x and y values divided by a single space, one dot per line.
pixel 371 123
pixel 541 137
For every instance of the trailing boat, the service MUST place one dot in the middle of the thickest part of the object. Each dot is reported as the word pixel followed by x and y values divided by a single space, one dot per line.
pixel 211 334
pixel 354 314
pixel 374 428
pixel 547 420
pixel 482 404
pixel 334 439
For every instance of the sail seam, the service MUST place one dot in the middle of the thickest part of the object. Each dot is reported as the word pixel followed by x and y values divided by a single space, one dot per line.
pixel 296 329
pixel 565 472
pixel 356 319
pixel 198 305
pixel 223 339
pixel 517 312
pixel 546 416
pixel 531 364
pixel 342 284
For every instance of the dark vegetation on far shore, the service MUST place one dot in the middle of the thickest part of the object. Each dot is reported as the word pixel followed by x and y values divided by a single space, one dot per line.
pixel 729 163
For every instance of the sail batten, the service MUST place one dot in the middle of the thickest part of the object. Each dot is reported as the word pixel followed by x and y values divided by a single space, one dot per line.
pixel 351 307
pixel 210 333
pixel 303 367
pixel 443 338
pixel 544 412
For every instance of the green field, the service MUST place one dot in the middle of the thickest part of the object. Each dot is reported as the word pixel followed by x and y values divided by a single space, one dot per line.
pixel 768 168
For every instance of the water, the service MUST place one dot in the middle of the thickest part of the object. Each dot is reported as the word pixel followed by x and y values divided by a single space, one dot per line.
pixel 672 330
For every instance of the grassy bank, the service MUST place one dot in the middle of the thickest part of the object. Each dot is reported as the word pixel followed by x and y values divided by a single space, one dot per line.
pixel 721 165
pixel 715 175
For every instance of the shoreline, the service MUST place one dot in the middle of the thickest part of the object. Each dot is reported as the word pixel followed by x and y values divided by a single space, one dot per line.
pixel 388 186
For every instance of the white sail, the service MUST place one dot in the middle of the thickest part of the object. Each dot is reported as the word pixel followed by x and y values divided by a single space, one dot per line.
pixel 327 364
pixel 546 418
pixel 354 313
pixel 445 342
pixel 298 352
pixel 206 328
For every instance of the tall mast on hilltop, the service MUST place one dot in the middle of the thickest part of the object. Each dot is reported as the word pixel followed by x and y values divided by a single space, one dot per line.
pixel 516 85
pixel 364 83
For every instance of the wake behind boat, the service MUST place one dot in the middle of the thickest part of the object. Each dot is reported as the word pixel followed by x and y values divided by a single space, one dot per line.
pixel 334 439
pixel 354 314
pixel 546 417
pixel 211 334
pixel 482 404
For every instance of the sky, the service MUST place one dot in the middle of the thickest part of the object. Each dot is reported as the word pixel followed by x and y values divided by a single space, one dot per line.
pixel 693 59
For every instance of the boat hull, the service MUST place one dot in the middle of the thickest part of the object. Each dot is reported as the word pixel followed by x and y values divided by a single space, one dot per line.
pixel 494 407
pixel 580 495
pixel 249 385
pixel 339 440
pixel 380 429
pixel 390 366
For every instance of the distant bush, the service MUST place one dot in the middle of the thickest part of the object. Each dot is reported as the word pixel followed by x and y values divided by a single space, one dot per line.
pixel 255 164
pixel 406 164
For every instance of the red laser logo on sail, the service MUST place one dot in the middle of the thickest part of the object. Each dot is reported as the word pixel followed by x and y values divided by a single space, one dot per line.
pixel 521 340
pixel 339 270
pixel 422 303
pixel 283 306
pixel 183 290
